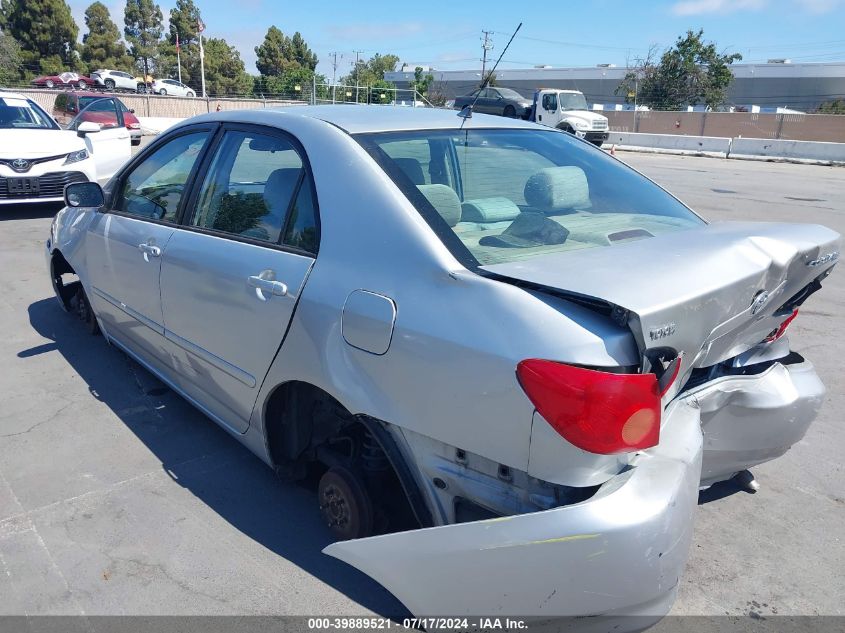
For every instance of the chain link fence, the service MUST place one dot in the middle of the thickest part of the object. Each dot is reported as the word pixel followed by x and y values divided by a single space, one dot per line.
pixel 153 105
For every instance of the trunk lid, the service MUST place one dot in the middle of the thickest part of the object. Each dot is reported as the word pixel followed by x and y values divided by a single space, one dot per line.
pixel 709 293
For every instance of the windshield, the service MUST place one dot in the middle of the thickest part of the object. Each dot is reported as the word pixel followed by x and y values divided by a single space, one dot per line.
pixel 496 196
pixel 572 101
pixel 17 113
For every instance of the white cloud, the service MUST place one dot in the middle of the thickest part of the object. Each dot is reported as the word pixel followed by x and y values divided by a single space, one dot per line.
pixel 819 6
pixel 700 7
pixel 375 30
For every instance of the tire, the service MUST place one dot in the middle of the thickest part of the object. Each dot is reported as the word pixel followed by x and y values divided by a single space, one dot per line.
pixel 344 504
pixel 162 92
pixel 81 85
pixel 141 89
pixel 566 128
pixel 85 313
pixel 49 84
pixel 109 83
pixel 190 95
pixel 136 141
pixel 510 112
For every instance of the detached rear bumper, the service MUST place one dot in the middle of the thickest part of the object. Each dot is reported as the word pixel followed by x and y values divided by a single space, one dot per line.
pixel 619 553
pixel 751 419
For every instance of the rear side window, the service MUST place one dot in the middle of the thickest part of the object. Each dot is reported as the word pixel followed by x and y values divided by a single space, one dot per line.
pixel 257 187
pixel 154 189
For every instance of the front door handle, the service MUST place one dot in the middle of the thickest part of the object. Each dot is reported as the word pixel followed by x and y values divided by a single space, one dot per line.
pixel 149 250
pixel 264 283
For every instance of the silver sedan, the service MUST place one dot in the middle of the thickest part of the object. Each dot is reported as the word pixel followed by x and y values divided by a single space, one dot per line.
pixel 481 327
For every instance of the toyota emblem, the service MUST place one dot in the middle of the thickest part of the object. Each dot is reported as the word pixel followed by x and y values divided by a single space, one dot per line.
pixel 20 164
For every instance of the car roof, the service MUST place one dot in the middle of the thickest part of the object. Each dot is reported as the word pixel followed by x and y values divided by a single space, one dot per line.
pixel 13 95
pixel 356 119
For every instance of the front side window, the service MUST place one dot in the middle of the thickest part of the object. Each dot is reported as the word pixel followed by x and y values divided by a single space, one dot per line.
pixel 97 110
pixel 258 188
pixel 154 188
pixel 510 195
pixel 550 102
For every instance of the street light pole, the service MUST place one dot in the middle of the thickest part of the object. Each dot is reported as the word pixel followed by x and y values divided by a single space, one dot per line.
pixel 178 59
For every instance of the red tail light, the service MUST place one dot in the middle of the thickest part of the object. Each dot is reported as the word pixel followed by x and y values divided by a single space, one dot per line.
pixel 596 411
pixel 781 330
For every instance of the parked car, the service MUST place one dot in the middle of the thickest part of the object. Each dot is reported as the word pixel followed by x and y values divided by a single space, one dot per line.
pixel 172 87
pixel 64 80
pixel 68 105
pixel 496 100
pixel 38 158
pixel 115 80
pixel 480 326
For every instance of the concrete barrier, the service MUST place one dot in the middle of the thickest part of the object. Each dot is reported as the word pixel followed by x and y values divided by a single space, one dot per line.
pixel 152 125
pixel 769 149
pixel 671 143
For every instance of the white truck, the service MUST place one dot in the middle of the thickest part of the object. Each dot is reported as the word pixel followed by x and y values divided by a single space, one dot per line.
pixel 567 110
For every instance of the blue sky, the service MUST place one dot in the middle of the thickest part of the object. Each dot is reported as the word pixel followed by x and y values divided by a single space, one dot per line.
pixel 447 34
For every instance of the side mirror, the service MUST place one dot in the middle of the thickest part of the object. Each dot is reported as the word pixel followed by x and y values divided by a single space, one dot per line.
pixel 84 194
pixel 132 110
pixel 87 127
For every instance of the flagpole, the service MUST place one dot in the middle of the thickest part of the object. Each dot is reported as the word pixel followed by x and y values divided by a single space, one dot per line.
pixel 202 66
pixel 200 29
pixel 178 61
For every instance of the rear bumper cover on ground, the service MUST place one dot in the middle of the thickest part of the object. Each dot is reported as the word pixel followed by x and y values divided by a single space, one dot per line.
pixel 621 552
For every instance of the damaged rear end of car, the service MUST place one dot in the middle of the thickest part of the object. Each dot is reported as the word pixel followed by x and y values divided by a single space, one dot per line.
pixel 597 520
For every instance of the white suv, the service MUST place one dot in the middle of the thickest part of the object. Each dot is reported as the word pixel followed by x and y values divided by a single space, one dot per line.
pixel 115 80
pixel 172 87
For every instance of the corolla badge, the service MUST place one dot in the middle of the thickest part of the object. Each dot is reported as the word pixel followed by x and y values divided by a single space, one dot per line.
pixel 759 302
pixel 20 164
pixel 824 259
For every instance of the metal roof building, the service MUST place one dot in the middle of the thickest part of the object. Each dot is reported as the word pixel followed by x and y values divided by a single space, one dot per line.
pixel 799 86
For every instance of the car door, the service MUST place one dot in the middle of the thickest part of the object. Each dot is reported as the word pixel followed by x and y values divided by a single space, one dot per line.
pixel 126 242
pixel 495 102
pixel 111 146
pixel 232 275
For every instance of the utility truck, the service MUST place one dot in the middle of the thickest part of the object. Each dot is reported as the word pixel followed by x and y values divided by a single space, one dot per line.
pixel 567 110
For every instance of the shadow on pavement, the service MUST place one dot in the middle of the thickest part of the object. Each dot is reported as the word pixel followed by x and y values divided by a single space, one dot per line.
pixel 29 211
pixel 204 459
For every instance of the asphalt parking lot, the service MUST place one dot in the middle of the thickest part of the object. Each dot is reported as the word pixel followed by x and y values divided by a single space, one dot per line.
pixel 117 497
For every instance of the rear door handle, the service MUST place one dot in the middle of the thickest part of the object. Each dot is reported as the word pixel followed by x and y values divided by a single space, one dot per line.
pixel 149 251
pixel 263 284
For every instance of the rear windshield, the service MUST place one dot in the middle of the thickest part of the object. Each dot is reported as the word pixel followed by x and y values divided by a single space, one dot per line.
pixel 496 196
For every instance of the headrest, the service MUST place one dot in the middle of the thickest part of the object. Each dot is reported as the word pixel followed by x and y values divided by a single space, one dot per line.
pixel 444 199
pixel 412 168
pixel 489 210
pixel 558 188
pixel 279 188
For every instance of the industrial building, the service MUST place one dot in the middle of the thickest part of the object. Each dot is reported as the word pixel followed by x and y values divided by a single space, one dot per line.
pixel 779 84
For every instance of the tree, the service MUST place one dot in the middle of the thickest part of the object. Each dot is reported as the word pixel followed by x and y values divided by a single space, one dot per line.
pixel 421 82
pixel 46 32
pixel 369 73
pixel 279 54
pixel 101 45
pixel 224 69
pixel 836 106
pixel 689 73
pixel 143 27
pixel 10 59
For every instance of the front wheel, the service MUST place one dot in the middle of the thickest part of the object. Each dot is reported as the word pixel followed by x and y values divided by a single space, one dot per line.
pixel 510 112
pixel 81 85
pixel 49 83
pixel 109 84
